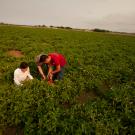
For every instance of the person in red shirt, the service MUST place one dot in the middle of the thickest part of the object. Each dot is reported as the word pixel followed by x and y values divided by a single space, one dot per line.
pixel 56 63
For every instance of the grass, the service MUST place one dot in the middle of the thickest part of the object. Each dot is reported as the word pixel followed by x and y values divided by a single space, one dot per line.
pixel 101 68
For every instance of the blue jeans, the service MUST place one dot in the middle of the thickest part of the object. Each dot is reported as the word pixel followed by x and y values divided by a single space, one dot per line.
pixel 59 75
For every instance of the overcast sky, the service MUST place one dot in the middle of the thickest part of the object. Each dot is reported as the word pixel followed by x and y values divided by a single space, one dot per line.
pixel 115 15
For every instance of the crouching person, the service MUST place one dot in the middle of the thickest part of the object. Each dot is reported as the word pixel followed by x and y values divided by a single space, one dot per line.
pixel 55 63
pixel 22 74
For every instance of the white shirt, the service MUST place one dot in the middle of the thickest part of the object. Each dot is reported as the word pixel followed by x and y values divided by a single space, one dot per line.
pixel 20 76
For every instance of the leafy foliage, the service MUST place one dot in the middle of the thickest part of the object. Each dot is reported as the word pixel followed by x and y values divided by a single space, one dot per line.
pixel 100 63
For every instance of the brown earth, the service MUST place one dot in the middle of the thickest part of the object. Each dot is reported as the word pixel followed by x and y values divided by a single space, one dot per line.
pixel 13 131
pixel 15 53
pixel 85 96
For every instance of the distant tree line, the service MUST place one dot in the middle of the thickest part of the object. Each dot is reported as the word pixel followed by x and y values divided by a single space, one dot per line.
pixel 62 27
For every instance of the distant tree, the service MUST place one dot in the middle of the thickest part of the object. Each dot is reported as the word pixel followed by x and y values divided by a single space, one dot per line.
pixel 51 26
pixel 68 28
pixel 43 25
pixel 61 27
pixel 1 23
pixel 100 30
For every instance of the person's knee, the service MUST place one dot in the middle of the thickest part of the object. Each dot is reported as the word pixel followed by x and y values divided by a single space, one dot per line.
pixel 60 76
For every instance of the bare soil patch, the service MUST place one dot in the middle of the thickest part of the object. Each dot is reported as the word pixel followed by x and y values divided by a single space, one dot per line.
pixel 13 131
pixel 85 96
pixel 15 53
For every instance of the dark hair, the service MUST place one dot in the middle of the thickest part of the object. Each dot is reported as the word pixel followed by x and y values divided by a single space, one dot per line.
pixel 43 58
pixel 23 65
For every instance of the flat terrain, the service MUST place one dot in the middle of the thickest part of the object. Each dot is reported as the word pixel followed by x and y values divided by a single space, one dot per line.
pixel 97 95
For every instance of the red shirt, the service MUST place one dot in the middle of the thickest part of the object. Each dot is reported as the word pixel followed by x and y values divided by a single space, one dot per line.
pixel 57 59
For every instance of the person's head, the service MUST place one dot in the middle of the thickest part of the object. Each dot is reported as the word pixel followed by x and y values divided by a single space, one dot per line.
pixel 44 59
pixel 24 66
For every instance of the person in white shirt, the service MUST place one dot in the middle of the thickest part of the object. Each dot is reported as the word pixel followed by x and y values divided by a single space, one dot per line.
pixel 22 74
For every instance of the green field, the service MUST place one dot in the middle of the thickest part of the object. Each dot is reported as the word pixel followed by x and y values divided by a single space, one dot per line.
pixel 96 97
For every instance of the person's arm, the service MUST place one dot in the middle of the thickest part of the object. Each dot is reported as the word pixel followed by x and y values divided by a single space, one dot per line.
pixel 49 69
pixel 50 75
pixel 57 69
pixel 41 72
pixel 29 75
pixel 16 81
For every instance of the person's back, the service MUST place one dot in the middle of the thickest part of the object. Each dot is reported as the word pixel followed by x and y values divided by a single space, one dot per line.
pixel 57 59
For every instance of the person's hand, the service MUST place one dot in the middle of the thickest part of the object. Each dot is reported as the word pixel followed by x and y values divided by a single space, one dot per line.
pixel 43 77
pixel 50 75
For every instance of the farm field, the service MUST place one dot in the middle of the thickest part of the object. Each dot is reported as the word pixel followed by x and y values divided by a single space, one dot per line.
pixel 96 97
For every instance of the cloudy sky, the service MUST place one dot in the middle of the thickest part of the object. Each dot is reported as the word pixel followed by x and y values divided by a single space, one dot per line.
pixel 115 15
